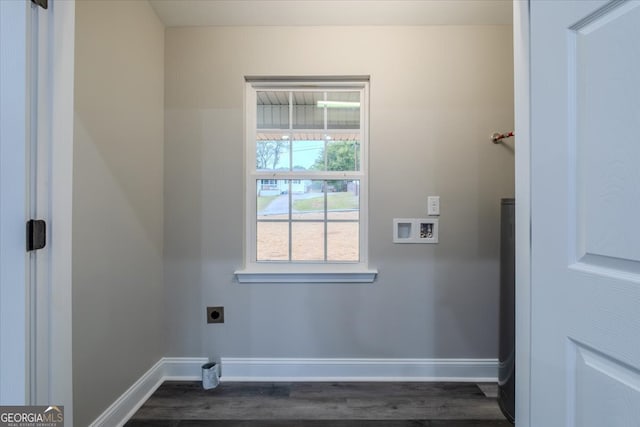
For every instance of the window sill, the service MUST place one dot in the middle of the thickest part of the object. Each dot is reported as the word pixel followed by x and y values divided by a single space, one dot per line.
pixel 259 275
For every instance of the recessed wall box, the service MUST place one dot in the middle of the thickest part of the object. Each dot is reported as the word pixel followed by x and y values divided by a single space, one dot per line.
pixel 428 230
pixel 403 230
pixel 415 230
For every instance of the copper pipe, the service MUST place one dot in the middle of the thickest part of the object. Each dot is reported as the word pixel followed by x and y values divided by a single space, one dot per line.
pixel 498 137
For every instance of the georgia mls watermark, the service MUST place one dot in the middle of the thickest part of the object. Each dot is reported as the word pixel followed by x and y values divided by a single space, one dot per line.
pixel 31 416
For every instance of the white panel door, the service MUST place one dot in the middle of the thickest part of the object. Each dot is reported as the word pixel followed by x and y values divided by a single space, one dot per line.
pixel 585 196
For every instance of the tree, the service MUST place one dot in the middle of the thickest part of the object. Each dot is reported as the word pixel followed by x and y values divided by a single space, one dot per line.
pixel 268 154
pixel 341 156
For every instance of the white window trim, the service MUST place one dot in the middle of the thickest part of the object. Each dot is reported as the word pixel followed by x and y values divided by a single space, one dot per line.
pixel 299 272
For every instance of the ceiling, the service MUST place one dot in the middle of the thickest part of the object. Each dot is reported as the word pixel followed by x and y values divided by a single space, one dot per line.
pixel 178 13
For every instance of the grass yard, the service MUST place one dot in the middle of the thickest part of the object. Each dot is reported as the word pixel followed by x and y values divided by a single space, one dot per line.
pixel 335 201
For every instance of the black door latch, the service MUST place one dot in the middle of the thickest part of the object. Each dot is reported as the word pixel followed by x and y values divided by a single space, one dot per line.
pixel 42 3
pixel 36 234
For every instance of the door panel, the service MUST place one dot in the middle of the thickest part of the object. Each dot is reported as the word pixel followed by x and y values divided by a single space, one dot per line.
pixel 585 282
pixel 604 390
pixel 607 126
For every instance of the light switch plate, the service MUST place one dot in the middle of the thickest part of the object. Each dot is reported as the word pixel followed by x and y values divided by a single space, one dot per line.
pixel 433 205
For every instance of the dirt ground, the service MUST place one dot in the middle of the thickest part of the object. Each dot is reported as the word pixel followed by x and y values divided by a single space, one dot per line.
pixel 308 238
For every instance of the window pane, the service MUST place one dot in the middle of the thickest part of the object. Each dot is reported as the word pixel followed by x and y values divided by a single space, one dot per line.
pixel 310 203
pixel 343 241
pixel 272 241
pixel 272 151
pixel 272 109
pixel 343 155
pixel 308 154
pixel 343 199
pixel 272 197
pixel 306 113
pixel 307 241
pixel 343 110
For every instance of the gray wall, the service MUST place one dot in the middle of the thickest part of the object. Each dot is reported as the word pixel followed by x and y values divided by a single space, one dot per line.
pixel 437 93
pixel 117 201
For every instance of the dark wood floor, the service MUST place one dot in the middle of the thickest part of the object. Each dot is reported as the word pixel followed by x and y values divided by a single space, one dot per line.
pixel 380 404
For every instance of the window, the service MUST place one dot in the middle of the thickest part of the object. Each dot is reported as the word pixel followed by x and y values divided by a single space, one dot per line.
pixel 306 194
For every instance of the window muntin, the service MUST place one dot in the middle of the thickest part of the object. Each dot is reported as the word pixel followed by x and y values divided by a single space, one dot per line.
pixel 306 150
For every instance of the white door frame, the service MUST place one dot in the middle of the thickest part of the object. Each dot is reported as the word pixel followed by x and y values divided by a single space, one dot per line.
pixel 57 110
pixel 523 210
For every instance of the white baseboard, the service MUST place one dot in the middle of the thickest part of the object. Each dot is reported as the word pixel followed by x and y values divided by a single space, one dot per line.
pixel 167 368
pixel 183 368
pixel 292 369
pixel 295 369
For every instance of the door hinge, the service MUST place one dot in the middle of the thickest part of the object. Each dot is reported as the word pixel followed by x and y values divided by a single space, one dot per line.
pixel 36 234
pixel 42 3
